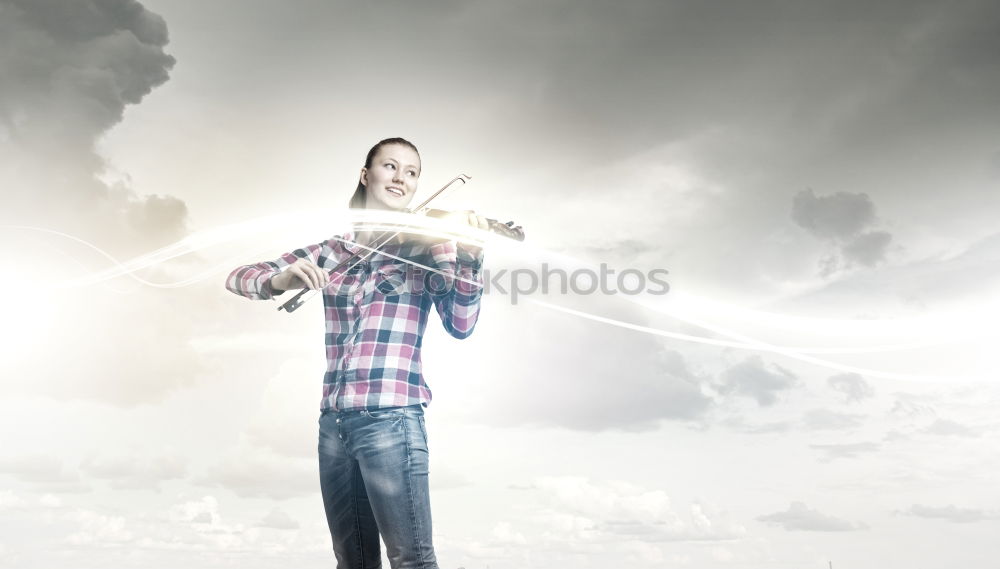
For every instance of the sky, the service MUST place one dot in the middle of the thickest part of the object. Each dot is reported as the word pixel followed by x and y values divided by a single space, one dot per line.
pixel 815 388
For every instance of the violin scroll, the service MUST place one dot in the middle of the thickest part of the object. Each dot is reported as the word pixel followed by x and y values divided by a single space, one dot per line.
pixel 515 232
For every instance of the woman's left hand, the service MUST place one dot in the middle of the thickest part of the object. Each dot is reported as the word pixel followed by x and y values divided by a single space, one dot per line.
pixel 465 217
pixel 460 218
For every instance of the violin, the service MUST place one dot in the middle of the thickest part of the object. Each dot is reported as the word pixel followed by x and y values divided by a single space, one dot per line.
pixel 507 229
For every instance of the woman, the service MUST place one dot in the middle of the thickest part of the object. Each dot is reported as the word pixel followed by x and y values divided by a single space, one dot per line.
pixel 373 453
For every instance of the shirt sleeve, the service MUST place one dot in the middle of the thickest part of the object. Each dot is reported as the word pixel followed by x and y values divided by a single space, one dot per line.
pixel 254 281
pixel 458 304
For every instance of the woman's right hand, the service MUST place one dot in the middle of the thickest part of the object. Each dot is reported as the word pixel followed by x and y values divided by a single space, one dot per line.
pixel 303 273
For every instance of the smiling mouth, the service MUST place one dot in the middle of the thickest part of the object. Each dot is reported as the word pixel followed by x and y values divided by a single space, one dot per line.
pixel 395 191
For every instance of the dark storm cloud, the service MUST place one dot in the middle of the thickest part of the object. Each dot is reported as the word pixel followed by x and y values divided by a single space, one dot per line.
pixel 759 99
pixel 799 517
pixel 868 249
pixel 613 78
pixel 82 61
pixel 838 216
pixel 798 93
pixel 841 218
pixel 751 378
pixel 660 70
pixel 852 385
pixel 70 69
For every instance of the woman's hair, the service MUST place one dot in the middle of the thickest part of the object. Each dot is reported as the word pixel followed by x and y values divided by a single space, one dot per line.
pixel 358 199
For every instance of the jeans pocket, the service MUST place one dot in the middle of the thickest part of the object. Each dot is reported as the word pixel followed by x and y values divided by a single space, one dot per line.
pixel 383 413
pixel 423 428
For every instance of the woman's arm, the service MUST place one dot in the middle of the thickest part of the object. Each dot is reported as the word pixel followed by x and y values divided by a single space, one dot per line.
pixel 458 304
pixel 311 263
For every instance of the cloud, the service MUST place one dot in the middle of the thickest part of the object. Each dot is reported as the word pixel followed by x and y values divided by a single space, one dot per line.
pixel 852 385
pixel 839 216
pixel 952 513
pixel 750 378
pixel 739 424
pixel 134 472
pixel 8 499
pixel 600 521
pixel 70 70
pixel 254 473
pixel 841 219
pixel 867 249
pixel 588 377
pixel 825 419
pixel 895 290
pixel 279 423
pixel 279 519
pixel 628 511
pixel 45 473
pixel 948 427
pixel 119 348
pixel 204 510
pixel 908 405
pixel 845 450
pixel 799 517
pixel 99 528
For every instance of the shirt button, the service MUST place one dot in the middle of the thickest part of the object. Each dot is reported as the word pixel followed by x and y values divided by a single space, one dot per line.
pixel 338 420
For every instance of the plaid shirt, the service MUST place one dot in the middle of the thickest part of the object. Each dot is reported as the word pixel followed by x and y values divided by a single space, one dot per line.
pixel 376 313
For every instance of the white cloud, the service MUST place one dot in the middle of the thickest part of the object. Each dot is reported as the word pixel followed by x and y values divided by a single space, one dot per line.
pixel 952 513
pixel 845 450
pixel 44 473
pixel 948 427
pixel 825 419
pixel 574 521
pixel 257 473
pixel 571 380
pixel 50 501
pixel 134 472
pixel 279 519
pixel 203 511
pixel 612 510
pixel 852 385
pixel 798 516
pixel 8 499
pixel 750 378
pixel 100 529
pixel 285 420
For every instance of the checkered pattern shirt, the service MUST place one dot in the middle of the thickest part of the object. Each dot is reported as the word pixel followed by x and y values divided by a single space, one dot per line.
pixel 376 313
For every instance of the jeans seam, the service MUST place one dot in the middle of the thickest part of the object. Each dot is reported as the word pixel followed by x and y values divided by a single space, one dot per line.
pixel 357 519
pixel 409 491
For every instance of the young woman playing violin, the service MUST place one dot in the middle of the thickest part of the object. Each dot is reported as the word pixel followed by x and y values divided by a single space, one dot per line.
pixel 373 457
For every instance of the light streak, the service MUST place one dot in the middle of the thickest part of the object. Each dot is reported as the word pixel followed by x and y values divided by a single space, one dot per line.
pixel 686 308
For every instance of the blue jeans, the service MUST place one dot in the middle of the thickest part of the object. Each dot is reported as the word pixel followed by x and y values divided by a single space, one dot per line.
pixel 373 467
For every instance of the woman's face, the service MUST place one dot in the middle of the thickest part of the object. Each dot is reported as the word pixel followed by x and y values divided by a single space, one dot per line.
pixel 391 181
